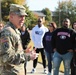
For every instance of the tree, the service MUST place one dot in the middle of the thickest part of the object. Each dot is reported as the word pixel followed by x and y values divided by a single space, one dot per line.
pixel 65 9
pixel 48 14
pixel 5 4
pixel 21 2
pixel 30 20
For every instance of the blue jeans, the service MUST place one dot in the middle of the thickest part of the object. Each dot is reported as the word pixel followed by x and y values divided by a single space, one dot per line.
pixel 66 58
pixel 49 59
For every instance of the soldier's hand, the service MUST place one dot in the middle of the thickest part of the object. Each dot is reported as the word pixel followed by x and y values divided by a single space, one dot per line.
pixel 33 55
pixel 34 50
pixel 28 49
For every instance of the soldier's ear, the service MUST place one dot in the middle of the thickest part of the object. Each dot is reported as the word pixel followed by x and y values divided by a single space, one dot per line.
pixel 11 15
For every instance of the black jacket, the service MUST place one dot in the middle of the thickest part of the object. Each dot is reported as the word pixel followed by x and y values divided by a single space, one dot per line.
pixel 47 42
pixel 63 39
pixel 25 39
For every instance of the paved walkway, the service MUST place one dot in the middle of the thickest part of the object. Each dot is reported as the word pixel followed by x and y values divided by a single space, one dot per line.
pixel 39 69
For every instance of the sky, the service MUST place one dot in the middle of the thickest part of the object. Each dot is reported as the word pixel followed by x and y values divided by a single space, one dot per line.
pixel 41 4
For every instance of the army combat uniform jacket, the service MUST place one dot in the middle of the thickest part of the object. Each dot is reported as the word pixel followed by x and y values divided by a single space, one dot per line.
pixel 12 56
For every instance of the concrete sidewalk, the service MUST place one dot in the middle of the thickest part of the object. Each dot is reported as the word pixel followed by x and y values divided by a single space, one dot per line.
pixel 39 69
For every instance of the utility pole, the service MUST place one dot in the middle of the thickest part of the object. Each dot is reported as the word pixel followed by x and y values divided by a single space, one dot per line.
pixel 59 14
pixel 0 12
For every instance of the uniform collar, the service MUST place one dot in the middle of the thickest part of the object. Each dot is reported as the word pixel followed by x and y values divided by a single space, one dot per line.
pixel 12 26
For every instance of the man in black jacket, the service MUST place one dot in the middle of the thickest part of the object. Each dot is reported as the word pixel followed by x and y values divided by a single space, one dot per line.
pixel 63 44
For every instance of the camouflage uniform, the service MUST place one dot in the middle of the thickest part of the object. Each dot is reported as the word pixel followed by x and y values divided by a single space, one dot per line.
pixel 12 56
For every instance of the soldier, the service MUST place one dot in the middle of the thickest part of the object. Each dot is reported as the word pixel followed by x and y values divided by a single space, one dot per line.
pixel 12 56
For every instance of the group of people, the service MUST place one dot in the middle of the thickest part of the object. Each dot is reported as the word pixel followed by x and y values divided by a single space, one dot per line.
pixel 58 44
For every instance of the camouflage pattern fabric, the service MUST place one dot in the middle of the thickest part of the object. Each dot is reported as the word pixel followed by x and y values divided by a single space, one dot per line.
pixel 11 52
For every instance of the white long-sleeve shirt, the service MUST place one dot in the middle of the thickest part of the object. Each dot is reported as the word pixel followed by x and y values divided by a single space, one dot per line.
pixel 37 35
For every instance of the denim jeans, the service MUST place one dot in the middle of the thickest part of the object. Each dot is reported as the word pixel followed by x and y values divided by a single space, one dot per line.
pixel 49 59
pixel 66 58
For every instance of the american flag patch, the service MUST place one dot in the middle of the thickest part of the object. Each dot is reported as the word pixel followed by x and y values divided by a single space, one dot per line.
pixel 2 40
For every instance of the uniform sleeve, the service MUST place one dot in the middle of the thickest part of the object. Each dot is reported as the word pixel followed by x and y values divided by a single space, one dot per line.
pixel 6 49
pixel 9 51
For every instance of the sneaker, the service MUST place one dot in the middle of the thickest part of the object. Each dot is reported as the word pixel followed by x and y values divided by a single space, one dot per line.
pixel 45 72
pixel 33 71
pixel 49 73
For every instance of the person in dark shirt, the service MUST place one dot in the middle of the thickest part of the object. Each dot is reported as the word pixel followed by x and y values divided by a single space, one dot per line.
pixel 73 62
pixel 25 37
pixel 63 44
pixel 47 45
